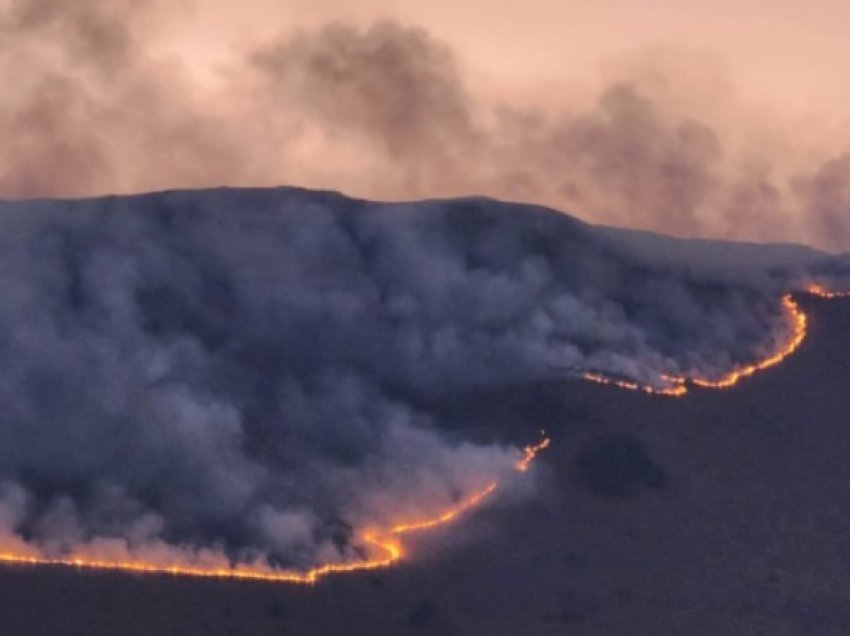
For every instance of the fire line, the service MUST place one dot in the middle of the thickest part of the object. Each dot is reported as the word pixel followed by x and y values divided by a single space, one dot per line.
pixel 385 542
pixel 677 386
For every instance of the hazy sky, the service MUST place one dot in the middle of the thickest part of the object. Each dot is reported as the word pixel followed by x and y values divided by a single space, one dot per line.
pixel 789 53
pixel 692 117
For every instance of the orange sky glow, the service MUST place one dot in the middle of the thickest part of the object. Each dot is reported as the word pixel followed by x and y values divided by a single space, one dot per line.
pixel 693 117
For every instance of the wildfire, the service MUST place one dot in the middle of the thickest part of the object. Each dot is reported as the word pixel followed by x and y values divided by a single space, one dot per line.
pixel 529 453
pixel 676 386
pixel 798 322
pixel 385 542
pixel 676 389
pixel 822 292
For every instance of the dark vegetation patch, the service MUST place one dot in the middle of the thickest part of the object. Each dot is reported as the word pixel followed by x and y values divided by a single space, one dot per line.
pixel 618 466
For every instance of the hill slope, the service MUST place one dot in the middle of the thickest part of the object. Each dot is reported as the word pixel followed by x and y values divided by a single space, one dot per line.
pixel 259 376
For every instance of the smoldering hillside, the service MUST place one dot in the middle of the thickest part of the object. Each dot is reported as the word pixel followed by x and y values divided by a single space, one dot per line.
pixel 250 374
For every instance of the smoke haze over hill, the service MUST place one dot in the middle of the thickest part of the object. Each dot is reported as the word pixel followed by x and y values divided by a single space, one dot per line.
pixel 97 102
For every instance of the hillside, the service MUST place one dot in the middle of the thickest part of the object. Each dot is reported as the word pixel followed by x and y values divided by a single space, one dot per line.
pixel 227 378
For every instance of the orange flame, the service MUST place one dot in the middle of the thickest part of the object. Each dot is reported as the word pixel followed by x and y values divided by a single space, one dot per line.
pixel 799 322
pixel 529 453
pixel 677 386
pixel 822 292
pixel 384 541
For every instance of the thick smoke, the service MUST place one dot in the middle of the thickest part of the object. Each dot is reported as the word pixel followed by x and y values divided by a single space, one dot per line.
pixel 389 112
pixel 250 375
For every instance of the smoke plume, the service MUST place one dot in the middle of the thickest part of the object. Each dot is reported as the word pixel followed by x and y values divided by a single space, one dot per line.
pixel 246 374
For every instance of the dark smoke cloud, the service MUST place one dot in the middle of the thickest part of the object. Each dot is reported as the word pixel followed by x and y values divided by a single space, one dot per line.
pixel 249 374
pixel 627 158
pixel 393 85
pixel 827 197
pixel 625 161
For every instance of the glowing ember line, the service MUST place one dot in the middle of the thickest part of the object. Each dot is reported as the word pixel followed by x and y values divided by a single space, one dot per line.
pixel 676 390
pixel 449 515
pixel 529 453
pixel 799 324
pixel 677 386
pixel 385 542
pixel 822 292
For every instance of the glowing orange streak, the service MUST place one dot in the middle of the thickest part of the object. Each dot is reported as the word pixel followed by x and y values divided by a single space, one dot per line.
pixel 449 515
pixel 529 453
pixel 384 540
pixel 679 387
pixel 800 321
pixel 822 292
pixel 240 572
